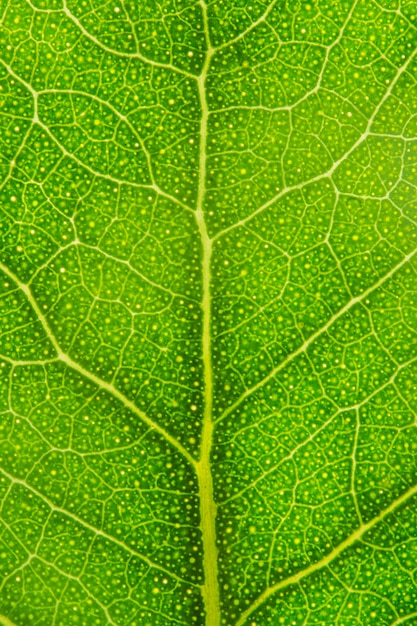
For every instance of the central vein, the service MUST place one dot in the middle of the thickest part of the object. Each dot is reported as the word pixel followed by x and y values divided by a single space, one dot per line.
pixel 207 504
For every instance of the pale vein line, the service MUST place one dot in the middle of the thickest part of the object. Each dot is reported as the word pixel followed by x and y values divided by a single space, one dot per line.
pixel 355 536
pixel 261 18
pixel 5 621
pixel 93 529
pixel 34 555
pixel 320 429
pixel 118 181
pixel 23 363
pixel 126 263
pixel 328 173
pixel 121 117
pixel 114 110
pixel 65 358
pixel 210 590
pixel 303 347
pixel 403 620
pixel 354 464
pixel 327 49
pixel 127 55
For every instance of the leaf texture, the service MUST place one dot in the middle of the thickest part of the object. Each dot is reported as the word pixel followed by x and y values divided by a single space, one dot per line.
pixel 208 301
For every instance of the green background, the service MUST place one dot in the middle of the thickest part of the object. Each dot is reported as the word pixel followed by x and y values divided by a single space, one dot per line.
pixel 208 308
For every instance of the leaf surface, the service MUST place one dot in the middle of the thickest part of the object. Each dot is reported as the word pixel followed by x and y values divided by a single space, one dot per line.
pixel 208 300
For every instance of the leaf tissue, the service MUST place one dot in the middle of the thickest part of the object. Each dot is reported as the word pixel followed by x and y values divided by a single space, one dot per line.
pixel 208 304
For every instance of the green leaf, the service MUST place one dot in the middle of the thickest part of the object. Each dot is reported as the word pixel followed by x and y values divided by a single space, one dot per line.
pixel 208 298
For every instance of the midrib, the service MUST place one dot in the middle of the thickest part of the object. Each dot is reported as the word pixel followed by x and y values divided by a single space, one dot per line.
pixel 210 588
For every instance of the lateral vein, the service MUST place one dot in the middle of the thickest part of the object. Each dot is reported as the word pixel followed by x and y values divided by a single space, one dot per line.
pixel 65 358
pixel 93 529
pixel 303 347
pixel 355 536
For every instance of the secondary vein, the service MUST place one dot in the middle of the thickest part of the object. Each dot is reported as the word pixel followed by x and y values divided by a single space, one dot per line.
pixel 355 536
pixel 65 358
